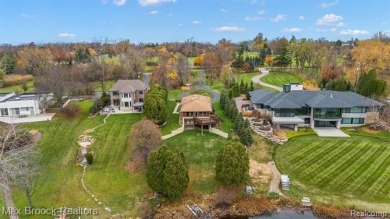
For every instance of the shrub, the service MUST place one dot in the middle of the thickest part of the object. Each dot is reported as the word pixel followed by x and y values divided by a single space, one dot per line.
pixel 89 157
pixel 16 79
pixel 71 110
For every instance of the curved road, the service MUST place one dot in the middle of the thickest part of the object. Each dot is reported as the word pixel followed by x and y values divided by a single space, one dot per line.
pixel 264 72
pixel 202 86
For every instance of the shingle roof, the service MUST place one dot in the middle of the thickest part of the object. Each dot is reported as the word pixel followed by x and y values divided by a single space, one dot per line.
pixel 322 101
pixel 127 86
pixel 196 103
pixel 316 99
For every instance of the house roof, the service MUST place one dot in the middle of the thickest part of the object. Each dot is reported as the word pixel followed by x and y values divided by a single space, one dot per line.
pixel 127 86
pixel 316 99
pixel 196 103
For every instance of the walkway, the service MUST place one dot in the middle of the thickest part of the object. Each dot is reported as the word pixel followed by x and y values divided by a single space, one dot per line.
pixel 216 95
pixel 330 132
pixel 89 131
pixel 264 72
pixel 274 185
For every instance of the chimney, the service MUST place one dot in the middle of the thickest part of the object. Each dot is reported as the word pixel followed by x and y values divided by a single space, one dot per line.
pixel 147 79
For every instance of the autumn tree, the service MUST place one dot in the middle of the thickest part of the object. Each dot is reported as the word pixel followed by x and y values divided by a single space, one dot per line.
pixel 145 137
pixel 53 80
pixel 372 54
pixel 167 173
pixel 33 59
pixel 282 55
pixel 232 164
pixel 269 60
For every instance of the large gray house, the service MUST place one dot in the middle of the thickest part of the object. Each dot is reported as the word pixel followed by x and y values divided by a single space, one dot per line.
pixel 325 108
pixel 128 94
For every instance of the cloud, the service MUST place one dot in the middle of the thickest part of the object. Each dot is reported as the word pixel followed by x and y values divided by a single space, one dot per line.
pixel 154 12
pixel 279 17
pixel 330 20
pixel 119 2
pixel 255 18
pixel 224 10
pixel 329 4
pixel 153 2
pixel 350 32
pixel 261 12
pixel 196 22
pixel 28 15
pixel 301 17
pixel 292 30
pixel 326 29
pixel 67 35
pixel 229 29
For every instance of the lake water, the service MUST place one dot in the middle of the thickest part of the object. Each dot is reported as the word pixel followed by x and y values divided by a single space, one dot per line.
pixel 288 214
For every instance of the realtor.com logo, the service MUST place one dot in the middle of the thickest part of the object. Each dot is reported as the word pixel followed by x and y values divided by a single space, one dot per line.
pixel 49 211
pixel 372 214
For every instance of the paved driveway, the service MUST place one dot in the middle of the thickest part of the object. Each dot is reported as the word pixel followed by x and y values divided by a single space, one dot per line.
pixel 330 132
pixel 216 95
pixel 34 118
pixel 264 72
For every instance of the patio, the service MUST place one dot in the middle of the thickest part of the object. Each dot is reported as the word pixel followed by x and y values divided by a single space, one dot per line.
pixel 28 119
pixel 330 132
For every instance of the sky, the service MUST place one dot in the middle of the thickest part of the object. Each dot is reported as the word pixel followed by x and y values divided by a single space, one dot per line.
pixel 151 21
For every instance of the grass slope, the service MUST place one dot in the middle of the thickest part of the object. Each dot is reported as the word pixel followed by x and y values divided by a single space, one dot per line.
pixel 107 177
pixel 348 171
pixel 280 78
pixel 200 151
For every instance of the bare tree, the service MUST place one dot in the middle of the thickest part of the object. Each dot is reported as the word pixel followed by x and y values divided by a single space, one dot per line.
pixel 16 149
pixel 183 69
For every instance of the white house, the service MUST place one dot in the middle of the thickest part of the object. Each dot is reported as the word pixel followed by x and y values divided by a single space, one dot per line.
pixel 12 105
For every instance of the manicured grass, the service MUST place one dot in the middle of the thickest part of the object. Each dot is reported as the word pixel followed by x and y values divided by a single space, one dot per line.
pixel 200 152
pixel 343 171
pixel 172 120
pixel 300 132
pixel 280 78
pixel 226 125
pixel 107 178
pixel 18 88
pixel 174 95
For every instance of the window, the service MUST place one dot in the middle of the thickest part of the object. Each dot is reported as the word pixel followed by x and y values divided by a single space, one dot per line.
pixel 125 95
pixel 355 110
pixel 352 121
pixel 307 120
pixel 284 113
pixel 327 113
pixel 115 93
pixel 141 100
pixel 140 92
pixel 15 111
pixel 127 104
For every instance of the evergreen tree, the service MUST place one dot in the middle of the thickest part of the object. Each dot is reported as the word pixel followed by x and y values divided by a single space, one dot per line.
pixel 238 124
pixel 252 86
pixel 246 137
pixel 369 86
pixel 167 173
pixel 232 164
pixel 242 87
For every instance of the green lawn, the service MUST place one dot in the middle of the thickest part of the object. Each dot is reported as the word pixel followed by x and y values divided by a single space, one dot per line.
pixel 280 78
pixel 97 85
pixel 107 177
pixel 200 151
pixel 18 88
pixel 351 171
pixel 172 120
pixel 226 125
